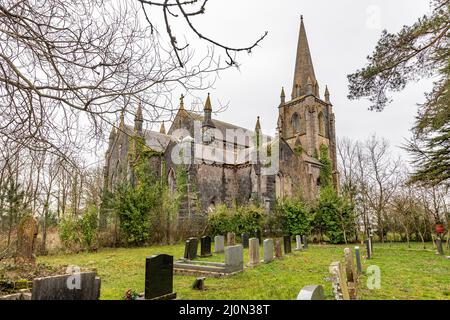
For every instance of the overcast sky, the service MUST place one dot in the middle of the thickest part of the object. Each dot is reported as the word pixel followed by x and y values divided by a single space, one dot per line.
pixel 340 33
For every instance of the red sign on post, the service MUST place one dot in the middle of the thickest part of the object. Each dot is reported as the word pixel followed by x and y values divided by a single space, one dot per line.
pixel 440 228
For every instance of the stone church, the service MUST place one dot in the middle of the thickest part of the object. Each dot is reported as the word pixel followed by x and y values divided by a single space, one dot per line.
pixel 305 122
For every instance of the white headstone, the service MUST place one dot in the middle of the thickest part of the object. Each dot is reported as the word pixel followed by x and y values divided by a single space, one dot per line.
pixel 268 250
pixel 311 293
pixel 219 244
pixel 253 251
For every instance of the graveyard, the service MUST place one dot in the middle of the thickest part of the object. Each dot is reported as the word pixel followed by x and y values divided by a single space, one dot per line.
pixel 406 273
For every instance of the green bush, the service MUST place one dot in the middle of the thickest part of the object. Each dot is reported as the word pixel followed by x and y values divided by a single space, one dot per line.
pixel 296 217
pixel 80 233
pixel 333 216
pixel 238 219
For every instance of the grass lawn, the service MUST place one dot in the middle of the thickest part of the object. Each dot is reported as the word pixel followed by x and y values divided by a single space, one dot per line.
pixel 406 273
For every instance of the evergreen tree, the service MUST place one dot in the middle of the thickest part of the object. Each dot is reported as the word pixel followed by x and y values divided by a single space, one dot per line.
pixel 415 52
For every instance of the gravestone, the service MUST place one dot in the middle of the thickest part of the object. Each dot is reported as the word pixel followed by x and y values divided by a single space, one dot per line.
pixel 267 250
pixel 287 244
pixel 186 249
pixel 75 286
pixel 245 237
pixel 351 274
pixel 205 246
pixel 278 251
pixel 193 248
pixel 26 240
pixel 358 260
pixel 253 252
pixel 231 239
pixel 439 246
pixel 368 251
pixel 234 256
pixel 298 242
pixel 257 234
pixel 159 278
pixel 199 284
pixel 219 244
pixel 305 242
pixel 339 281
pixel 311 293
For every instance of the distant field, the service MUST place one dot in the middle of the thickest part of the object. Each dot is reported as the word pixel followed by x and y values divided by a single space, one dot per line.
pixel 406 273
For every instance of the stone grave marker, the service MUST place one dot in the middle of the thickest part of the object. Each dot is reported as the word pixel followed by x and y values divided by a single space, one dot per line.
pixel 351 275
pixel 253 252
pixel 439 246
pixel 278 251
pixel 358 260
pixel 287 244
pixel 205 246
pixel 234 256
pixel 26 240
pixel 75 286
pixel 199 284
pixel 339 281
pixel 245 237
pixel 305 242
pixel 368 251
pixel 159 278
pixel 267 250
pixel 193 248
pixel 298 242
pixel 231 239
pixel 219 244
pixel 257 234
pixel 311 293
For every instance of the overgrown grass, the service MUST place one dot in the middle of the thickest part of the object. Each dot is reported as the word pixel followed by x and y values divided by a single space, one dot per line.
pixel 406 273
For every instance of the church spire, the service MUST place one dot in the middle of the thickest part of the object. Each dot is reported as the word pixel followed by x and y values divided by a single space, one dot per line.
pixel 138 119
pixel 327 95
pixel 258 125
pixel 207 111
pixel 304 68
pixel 282 96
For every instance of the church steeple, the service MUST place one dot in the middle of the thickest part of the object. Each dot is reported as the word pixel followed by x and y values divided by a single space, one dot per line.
pixel 207 121
pixel 304 69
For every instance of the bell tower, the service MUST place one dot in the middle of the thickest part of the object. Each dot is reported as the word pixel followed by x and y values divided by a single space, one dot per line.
pixel 306 121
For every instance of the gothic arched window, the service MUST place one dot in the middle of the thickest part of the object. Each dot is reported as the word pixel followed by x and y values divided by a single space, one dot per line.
pixel 321 124
pixel 295 123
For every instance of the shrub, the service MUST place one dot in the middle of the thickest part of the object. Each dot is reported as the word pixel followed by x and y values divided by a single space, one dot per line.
pixel 296 217
pixel 238 219
pixel 80 233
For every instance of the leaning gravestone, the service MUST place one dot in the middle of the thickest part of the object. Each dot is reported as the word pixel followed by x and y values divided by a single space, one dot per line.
pixel 278 251
pixel 231 239
pixel 267 250
pixel 205 246
pixel 26 240
pixel 219 244
pixel 339 281
pixel 253 252
pixel 298 242
pixel 245 237
pixel 311 293
pixel 76 286
pixel 358 260
pixel 287 244
pixel 351 274
pixel 159 278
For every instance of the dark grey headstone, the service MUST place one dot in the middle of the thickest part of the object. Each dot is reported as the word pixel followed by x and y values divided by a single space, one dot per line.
pixel 192 248
pixel 257 234
pixel 205 246
pixel 358 260
pixel 245 237
pixel 368 249
pixel 77 286
pixel 158 276
pixel 287 244
pixel 199 284
pixel 305 242
pixel 186 249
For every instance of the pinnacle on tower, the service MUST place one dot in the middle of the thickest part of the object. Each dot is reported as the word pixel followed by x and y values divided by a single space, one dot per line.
pixel 138 119
pixel 283 96
pixel 163 128
pixel 304 68
pixel 207 110
pixel 258 125
pixel 327 94
pixel 182 102
pixel 208 106
pixel 122 119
